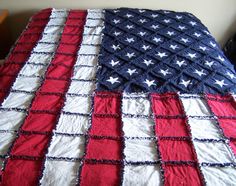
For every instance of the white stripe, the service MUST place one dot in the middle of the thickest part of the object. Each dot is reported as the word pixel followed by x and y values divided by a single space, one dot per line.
pixel 208 152
pixel 139 149
pixel 66 173
pixel 12 120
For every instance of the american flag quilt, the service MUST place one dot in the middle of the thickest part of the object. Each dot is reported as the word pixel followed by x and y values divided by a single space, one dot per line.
pixel 117 97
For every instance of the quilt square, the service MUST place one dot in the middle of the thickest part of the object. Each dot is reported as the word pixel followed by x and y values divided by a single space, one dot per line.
pixel 77 104
pixel 6 140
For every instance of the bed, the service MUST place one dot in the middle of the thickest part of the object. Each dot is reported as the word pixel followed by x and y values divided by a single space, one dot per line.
pixel 117 97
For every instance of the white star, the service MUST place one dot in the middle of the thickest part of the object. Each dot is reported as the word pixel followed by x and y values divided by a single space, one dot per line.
pixel 142 20
pixel 129 15
pixel 115 47
pixel 154 15
pixel 221 58
pixel 197 34
pixel 129 26
pixel 142 33
pixel 180 63
pixel 115 11
pixel 165 72
pixel 157 39
pixel 208 33
pixel 161 54
pixel 113 80
pixel 181 27
pixel 192 55
pixel 155 26
pixel 178 17
pixel 145 47
pixel 129 40
pixel 166 20
pixel 170 33
pixel 116 21
pixel 131 71
pixel 208 63
pixel 149 83
pixel 185 40
pixel 117 33
pixel 232 76
pixel 166 12
pixel 185 83
pixel 202 48
pixel 200 73
pixel 220 83
pixel 174 47
pixel 212 44
pixel 192 23
pixel 141 11
pixel 130 55
pixel 148 62
pixel 114 63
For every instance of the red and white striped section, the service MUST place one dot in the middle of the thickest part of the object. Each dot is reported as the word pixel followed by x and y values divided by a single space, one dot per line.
pixel 67 147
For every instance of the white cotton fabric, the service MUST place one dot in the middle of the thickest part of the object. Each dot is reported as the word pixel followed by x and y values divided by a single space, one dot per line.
pixel 6 140
pixel 26 83
pixel 93 31
pixel 56 21
pixel 73 124
pixel 138 127
pixel 77 104
pixel 40 58
pixel 54 30
pixel 213 152
pixel 59 12
pixel 89 49
pixel 87 60
pixel 195 107
pixel 85 73
pixel 11 120
pixel 17 100
pixel 66 146
pixel 42 47
pixel 219 176
pixel 142 175
pixel 140 106
pixel 204 129
pixel 33 70
pixel 81 87
pixel 60 173
pixel 140 150
pixel 94 22
pixel 95 40
pixel 50 37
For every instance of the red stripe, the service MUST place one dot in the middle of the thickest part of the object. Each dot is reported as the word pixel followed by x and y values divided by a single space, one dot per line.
pixel 35 145
pixel 225 106
pixel 174 150
pixel 103 149
pixel 9 67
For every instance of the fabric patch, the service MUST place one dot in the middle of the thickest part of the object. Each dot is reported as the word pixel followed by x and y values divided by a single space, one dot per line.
pixel 104 174
pixel 138 127
pixel 229 127
pixel 204 129
pixel 17 100
pixel 11 120
pixel 86 73
pixel 103 149
pixel 56 86
pixel 26 84
pixel 33 70
pixel 140 150
pixel 66 146
pixel 213 152
pixel 176 150
pixel 80 87
pixel 219 175
pixel 87 60
pixel 142 175
pixel 77 104
pixel 181 175
pixel 73 124
pixel 60 173
pixel 6 140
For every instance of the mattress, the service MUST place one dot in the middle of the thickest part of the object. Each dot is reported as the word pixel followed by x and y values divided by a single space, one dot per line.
pixel 117 97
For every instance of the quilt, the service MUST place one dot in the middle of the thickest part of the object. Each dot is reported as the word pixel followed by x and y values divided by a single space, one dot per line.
pixel 111 97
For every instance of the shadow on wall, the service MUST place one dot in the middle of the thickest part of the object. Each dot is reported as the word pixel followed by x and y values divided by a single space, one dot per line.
pixel 231 30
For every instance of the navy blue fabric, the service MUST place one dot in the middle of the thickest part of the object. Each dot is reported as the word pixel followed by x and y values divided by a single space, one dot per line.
pixel 161 51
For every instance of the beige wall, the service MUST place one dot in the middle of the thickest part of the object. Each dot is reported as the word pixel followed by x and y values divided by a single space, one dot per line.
pixel 218 15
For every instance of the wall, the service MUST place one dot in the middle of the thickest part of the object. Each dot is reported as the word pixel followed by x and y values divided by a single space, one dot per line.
pixel 218 15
